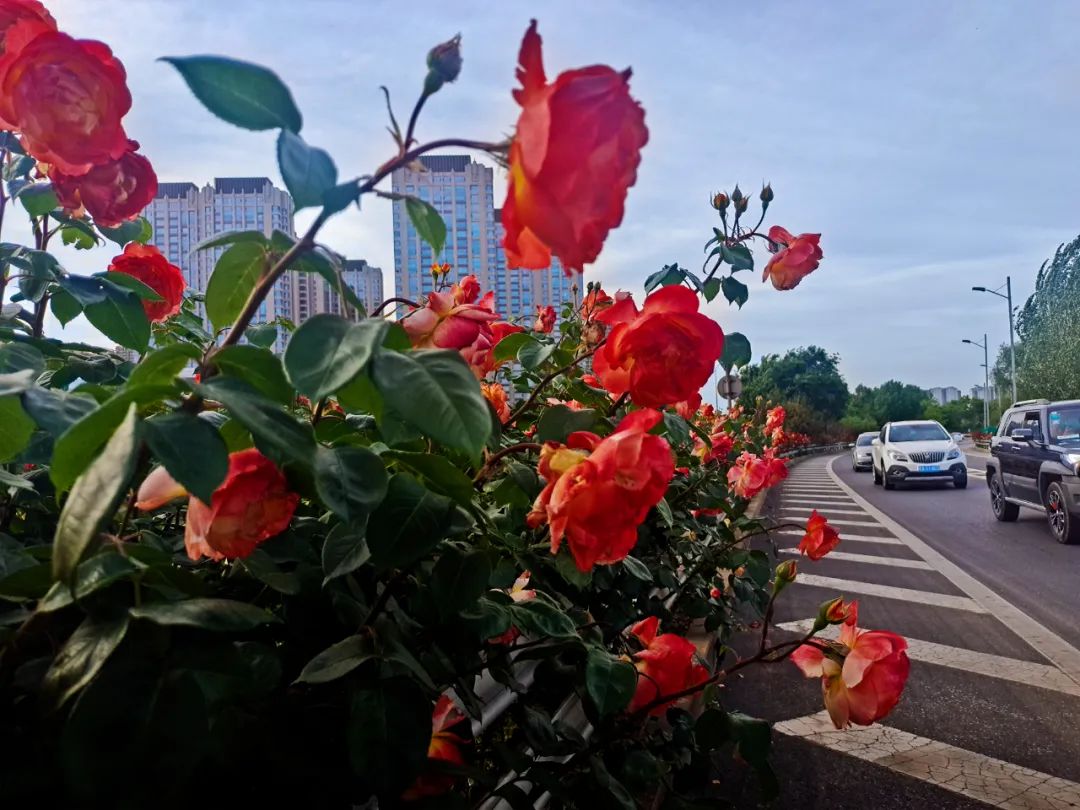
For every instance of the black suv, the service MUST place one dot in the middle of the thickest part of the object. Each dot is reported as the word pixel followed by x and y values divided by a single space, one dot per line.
pixel 1036 454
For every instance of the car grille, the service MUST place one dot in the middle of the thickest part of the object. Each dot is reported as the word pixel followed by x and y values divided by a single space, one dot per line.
pixel 927 458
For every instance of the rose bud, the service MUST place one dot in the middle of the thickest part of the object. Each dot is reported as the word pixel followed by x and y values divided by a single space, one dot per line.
pixel 720 202
pixel 737 194
pixel 444 64
pixel 785 574
pixel 766 195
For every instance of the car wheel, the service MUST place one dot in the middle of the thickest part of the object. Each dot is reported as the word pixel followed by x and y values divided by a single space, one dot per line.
pixel 885 482
pixel 960 481
pixel 1003 510
pixel 1063 524
pixel 877 475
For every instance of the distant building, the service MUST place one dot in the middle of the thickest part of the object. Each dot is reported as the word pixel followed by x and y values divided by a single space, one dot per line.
pixel 366 281
pixel 979 392
pixel 941 396
pixel 462 191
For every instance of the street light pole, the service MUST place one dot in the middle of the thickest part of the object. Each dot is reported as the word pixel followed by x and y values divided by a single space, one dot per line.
pixel 986 369
pixel 1012 339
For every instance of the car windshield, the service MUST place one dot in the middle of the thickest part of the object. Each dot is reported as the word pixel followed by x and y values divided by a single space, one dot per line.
pixel 1065 425
pixel 865 441
pixel 917 433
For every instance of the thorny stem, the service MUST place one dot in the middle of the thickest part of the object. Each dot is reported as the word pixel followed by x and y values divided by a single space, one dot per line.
pixel 618 403
pixel 388 301
pixel 494 458
pixel 540 386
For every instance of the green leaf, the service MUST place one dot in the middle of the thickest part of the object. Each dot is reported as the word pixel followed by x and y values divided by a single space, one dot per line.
pixel 38 270
pixel 535 354
pixel 64 306
pixel 435 392
pixel 85 291
pixel 543 618
pixel 232 238
pixel 38 199
pixel 388 734
pixel 233 279
pixel 95 496
pixel 408 524
pixel 121 318
pixel 428 222
pixel 276 432
pixel 92 575
pixel 559 421
pixel 344 550
pixel 712 729
pixel 260 367
pixel 219 615
pixel 136 230
pixel 486 618
pixel 19 356
pixel 191 450
pixel 351 481
pixel 132 284
pixel 79 444
pixel 247 95
pixel 711 289
pixel 508 347
pixel 55 411
pixel 263 335
pixel 458 580
pixel 736 351
pixel 81 238
pixel 637 569
pixel 83 655
pixel 308 172
pixel 328 351
pixel 664 277
pixel 439 472
pixel 738 256
pixel 734 290
pixel 753 740
pixel 162 366
pixel 15 428
pixel 609 681
pixel 338 660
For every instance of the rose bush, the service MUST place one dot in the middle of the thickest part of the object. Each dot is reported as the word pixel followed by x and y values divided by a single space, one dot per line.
pixel 421 562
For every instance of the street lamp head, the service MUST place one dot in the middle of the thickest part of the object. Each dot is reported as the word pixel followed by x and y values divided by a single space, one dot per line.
pixel 965 340
pixel 980 289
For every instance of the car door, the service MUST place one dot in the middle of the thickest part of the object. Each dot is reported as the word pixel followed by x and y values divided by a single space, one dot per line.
pixel 1008 452
pixel 1028 458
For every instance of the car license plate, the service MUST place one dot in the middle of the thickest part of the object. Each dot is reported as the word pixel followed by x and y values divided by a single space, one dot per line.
pixel 929 468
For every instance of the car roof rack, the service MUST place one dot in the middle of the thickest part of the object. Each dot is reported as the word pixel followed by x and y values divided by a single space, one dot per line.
pixel 1030 402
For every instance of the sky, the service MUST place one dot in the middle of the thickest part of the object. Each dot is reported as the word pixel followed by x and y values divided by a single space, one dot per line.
pixel 932 144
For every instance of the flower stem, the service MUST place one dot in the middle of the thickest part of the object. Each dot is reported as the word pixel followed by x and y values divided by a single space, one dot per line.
pixel 388 301
pixel 494 458
pixel 540 386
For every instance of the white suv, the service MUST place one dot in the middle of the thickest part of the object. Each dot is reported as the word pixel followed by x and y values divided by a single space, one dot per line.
pixel 917 451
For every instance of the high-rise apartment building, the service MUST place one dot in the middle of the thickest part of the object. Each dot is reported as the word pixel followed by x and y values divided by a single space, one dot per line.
pixel 366 281
pixel 462 191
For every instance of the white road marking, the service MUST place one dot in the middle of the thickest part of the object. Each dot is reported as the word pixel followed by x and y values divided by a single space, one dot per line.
pixel 850 586
pixel 834 522
pixel 817 492
pixel 1043 640
pixel 844 537
pixel 831 509
pixel 873 559
pixel 967 773
pixel 994 666
pixel 838 500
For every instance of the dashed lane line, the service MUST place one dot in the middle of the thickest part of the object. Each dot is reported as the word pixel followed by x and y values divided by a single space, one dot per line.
pixel 850 586
pixel 958 770
pixel 1043 640
pixel 993 666
pixel 873 559
pixel 844 537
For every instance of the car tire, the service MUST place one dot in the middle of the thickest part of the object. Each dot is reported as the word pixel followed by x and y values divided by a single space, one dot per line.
pixel 885 482
pixel 1003 510
pixel 877 476
pixel 1063 524
pixel 960 481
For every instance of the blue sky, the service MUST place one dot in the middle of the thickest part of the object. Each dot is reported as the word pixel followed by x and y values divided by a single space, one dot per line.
pixel 933 144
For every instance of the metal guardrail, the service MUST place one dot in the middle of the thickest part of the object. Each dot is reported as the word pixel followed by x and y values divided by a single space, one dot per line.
pixel 817 449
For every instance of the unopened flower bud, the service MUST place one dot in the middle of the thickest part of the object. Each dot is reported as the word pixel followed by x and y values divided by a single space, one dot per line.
pixel 737 194
pixel 766 195
pixel 835 611
pixel 444 64
pixel 714 592
pixel 787 571
pixel 720 202
pixel 741 204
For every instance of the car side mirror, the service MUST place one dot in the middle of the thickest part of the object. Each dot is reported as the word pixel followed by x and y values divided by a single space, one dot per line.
pixel 1022 434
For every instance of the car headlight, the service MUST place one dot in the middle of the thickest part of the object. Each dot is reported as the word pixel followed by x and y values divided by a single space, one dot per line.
pixel 896 455
pixel 1072 460
pixel 954 453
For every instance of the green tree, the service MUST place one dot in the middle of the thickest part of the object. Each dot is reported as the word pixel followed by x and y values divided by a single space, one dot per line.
pixel 963 415
pixel 889 402
pixel 805 375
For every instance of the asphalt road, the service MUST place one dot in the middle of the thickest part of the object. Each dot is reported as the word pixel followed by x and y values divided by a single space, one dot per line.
pixel 990 716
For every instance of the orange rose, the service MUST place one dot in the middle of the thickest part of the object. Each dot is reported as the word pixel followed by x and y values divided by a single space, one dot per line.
pixel 720 444
pixel 444 746
pixel 495 394
pixel 820 537
pixel 15 11
pixel 749 475
pixel 453 318
pixel 665 666
pixel 574 156
pixel 774 421
pixel 796 258
pixel 146 263
pixel 112 192
pixel 862 675
pixel 545 319
pixel 65 96
pixel 480 354
pixel 252 504
pixel 662 354
pixel 600 490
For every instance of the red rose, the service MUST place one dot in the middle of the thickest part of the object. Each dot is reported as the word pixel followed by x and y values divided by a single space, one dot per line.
pixel 820 537
pixel 863 675
pixel 720 444
pixel 495 394
pixel 661 355
pixel 252 504
pixel 666 666
pixel 444 746
pixel 600 490
pixel 574 156
pixel 480 354
pixel 112 192
pixel 688 407
pixel 452 318
pixel 15 11
pixel 774 420
pixel 797 258
pixel 146 263
pixel 749 475
pixel 545 319
pixel 65 96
